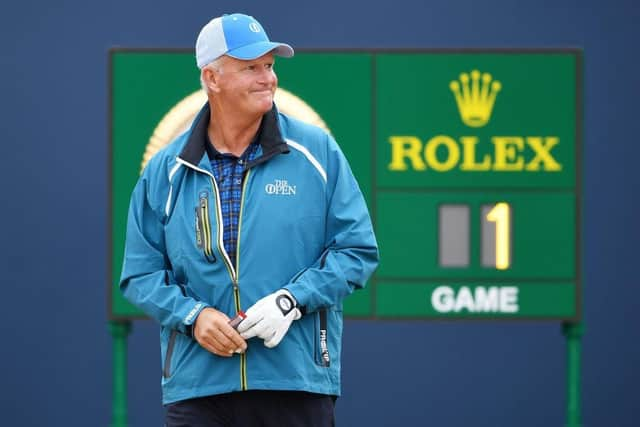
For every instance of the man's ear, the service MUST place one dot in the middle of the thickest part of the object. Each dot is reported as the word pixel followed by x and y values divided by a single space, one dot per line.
pixel 211 79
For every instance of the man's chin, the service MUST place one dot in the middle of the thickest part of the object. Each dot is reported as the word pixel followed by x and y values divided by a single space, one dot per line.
pixel 265 106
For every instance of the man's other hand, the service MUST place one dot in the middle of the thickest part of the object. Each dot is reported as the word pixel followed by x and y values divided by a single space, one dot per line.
pixel 270 318
pixel 212 331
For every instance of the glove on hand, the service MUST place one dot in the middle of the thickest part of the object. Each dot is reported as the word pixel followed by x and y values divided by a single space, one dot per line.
pixel 270 318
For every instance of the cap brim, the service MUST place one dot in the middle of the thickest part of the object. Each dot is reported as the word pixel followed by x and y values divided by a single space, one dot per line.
pixel 256 50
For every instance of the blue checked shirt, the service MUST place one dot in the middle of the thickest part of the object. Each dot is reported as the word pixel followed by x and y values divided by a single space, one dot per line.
pixel 229 173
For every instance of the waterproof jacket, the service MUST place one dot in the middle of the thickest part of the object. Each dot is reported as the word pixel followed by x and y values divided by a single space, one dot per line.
pixel 303 226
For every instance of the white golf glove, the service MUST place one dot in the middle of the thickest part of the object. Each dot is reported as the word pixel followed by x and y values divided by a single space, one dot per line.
pixel 270 318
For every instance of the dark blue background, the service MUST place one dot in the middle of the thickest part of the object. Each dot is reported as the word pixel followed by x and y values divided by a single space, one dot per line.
pixel 56 350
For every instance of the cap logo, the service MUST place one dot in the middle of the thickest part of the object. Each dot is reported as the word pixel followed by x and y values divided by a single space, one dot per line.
pixel 254 27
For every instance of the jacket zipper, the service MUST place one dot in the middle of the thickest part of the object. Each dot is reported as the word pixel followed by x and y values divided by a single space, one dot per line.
pixel 225 256
pixel 230 268
pixel 220 227
pixel 236 289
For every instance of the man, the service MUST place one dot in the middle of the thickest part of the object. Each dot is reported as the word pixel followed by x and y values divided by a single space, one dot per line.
pixel 248 210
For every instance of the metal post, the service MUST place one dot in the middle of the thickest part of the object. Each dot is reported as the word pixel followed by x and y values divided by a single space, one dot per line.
pixel 573 333
pixel 119 332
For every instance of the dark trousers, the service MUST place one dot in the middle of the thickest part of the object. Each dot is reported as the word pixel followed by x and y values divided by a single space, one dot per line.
pixel 255 408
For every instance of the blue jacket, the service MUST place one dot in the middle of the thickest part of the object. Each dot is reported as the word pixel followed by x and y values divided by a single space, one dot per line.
pixel 303 226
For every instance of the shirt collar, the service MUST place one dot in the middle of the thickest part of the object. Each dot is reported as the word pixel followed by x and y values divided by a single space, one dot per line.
pixel 268 136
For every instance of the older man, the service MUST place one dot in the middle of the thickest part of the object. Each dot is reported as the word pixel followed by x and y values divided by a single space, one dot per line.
pixel 249 209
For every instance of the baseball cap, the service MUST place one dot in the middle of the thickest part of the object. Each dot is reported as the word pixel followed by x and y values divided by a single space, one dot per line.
pixel 237 35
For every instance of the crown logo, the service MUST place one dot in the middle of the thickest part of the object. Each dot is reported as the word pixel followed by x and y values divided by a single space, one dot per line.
pixel 475 97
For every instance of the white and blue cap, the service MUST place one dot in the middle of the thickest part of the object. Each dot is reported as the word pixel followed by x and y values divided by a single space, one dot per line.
pixel 237 35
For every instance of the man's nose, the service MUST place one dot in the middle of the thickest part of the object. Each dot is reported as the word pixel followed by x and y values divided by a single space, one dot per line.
pixel 267 75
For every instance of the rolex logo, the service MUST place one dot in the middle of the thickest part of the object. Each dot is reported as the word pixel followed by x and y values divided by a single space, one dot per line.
pixel 475 97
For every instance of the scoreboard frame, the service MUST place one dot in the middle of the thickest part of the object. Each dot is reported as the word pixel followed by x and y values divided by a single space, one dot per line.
pixel 357 310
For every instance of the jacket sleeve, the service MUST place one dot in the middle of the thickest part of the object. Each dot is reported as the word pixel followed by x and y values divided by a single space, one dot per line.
pixel 147 280
pixel 351 251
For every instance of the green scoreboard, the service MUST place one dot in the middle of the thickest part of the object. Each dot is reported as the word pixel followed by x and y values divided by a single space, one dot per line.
pixel 470 161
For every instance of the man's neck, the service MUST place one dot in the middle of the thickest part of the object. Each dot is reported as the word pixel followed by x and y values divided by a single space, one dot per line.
pixel 230 133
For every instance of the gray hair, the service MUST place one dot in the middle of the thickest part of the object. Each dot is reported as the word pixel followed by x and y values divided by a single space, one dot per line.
pixel 216 65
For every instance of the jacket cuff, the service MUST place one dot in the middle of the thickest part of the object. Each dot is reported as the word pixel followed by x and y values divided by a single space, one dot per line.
pixel 187 323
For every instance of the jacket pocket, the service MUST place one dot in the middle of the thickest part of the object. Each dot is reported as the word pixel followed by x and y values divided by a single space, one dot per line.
pixel 166 369
pixel 321 334
pixel 203 228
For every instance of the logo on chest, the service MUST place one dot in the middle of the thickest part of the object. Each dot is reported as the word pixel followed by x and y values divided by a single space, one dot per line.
pixel 280 187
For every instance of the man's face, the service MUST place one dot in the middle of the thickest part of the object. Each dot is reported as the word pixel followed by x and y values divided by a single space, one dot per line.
pixel 247 86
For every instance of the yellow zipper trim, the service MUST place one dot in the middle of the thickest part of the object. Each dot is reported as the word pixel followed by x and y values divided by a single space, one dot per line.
pixel 243 356
pixel 206 225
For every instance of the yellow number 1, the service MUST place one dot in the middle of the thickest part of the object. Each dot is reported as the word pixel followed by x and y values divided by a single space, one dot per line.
pixel 500 214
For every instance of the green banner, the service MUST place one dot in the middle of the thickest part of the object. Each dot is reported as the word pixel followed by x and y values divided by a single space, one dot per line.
pixel 476 120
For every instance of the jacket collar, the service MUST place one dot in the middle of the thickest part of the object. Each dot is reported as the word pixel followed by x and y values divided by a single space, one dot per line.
pixel 268 136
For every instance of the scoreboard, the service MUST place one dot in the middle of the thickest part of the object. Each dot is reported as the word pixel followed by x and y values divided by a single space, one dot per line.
pixel 470 161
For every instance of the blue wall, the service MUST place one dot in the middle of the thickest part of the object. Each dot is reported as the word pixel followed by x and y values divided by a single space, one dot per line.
pixel 56 351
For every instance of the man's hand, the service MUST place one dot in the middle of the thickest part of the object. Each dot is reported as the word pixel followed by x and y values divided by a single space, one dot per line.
pixel 212 331
pixel 270 318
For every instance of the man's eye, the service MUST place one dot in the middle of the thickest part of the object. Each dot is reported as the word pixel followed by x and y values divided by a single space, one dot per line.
pixel 251 67
pixel 269 66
